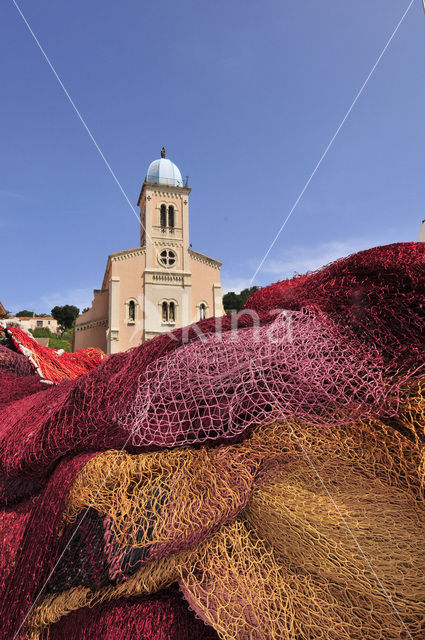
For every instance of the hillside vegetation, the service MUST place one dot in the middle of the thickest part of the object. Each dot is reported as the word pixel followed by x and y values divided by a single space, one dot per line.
pixel 55 341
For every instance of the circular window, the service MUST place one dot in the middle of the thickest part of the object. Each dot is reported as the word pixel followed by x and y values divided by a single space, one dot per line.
pixel 167 258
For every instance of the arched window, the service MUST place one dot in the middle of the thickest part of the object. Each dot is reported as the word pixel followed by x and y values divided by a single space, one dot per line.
pixel 131 311
pixel 167 257
pixel 171 216
pixel 172 312
pixel 165 312
pixel 202 311
pixel 168 311
pixel 163 221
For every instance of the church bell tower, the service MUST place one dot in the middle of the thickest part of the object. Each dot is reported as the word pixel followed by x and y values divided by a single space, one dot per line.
pixel 164 236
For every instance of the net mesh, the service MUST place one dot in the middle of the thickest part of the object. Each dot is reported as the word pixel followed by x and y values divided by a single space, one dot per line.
pixel 221 386
pixel 14 388
pixel 14 363
pixel 164 616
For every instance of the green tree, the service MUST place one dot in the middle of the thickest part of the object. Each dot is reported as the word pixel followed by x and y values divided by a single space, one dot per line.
pixel 235 301
pixel 65 316
pixel 231 301
pixel 24 313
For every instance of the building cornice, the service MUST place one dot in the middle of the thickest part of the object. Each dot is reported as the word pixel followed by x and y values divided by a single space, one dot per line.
pixel 89 325
pixel 167 277
pixel 167 243
pixel 200 257
pixel 126 253
pixel 118 256
pixel 163 189
pixel 165 271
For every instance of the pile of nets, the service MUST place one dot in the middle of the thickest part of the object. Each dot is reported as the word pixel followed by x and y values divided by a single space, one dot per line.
pixel 250 479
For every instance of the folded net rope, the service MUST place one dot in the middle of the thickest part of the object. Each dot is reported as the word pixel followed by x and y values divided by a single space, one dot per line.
pixel 49 363
pixel 147 498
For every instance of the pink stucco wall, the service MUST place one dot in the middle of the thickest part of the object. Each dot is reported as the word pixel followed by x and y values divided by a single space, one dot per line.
pixel 130 271
pixel 93 336
pixel 203 278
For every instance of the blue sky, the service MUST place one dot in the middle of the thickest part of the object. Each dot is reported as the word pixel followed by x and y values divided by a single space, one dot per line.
pixel 244 95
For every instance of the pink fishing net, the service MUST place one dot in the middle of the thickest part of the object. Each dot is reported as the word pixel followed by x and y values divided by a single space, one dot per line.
pixel 218 387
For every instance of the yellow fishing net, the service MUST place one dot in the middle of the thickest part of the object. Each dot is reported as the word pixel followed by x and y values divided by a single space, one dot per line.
pixel 298 533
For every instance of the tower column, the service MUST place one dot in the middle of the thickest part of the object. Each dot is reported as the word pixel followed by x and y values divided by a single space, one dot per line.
pixel 218 300
pixel 114 315
pixel 149 229
pixel 185 224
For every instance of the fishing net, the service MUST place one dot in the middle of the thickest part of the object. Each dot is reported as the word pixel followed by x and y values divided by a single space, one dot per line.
pixel 378 294
pixel 221 386
pixel 12 362
pixel 272 468
pixel 13 388
pixel 213 390
pixel 293 527
pixel 52 365
pixel 164 616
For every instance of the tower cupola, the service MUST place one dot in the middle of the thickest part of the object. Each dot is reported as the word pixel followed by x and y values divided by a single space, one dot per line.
pixel 163 171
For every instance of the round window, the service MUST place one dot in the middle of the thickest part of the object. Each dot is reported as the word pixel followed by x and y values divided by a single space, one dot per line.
pixel 167 258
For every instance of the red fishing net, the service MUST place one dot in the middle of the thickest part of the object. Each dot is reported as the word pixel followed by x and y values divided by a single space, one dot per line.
pixel 52 365
pixel 378 294
pixel 164 616
pixel 15 363
pixel 13 388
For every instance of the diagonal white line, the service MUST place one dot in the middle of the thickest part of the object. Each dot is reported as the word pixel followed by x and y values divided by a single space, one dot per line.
pixel 332 140
pixel 83 122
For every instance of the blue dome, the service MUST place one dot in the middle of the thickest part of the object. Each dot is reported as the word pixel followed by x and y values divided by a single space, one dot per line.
pixel 163 171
